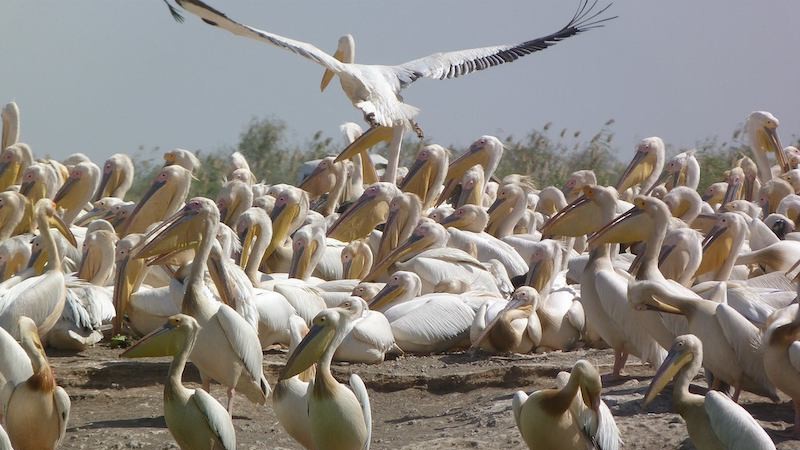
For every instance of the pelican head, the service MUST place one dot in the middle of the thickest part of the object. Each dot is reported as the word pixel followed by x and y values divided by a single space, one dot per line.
pixel 78 189
pixel 428 234
pixel 684 203
pixel 38 181
pixel 649 295
pixel 167 340
pixel 166 193
pixel 345 52
pixel 686 350
pixel 117 177
pixel 356 259
pixel 471 187
pixel 404 214
pixel 633 225
pixel 511 197
pixel 232 200
pixel 793 178
pixel 32 345
pixel 367 291
pixel 468 217
pixel 328 329
pixel 322 179
pixel 523 302
pixel 715 192
pixel 47 208
pixel 486 152
pixel 14 159
pixel 308 244
pixel 401 286
pixel 771 194
pixel 97 261
pixel 181 231
pixel 439 214
pixel 253 226
pixel 573 187
pixel 371 209
pixel 762 128
pixel 129 275
pixel 181 157
pixel 735 179
pixel 586 214
pixel 427 173
pixel 648 160
pixel 544 262
pixel 290 210
pixel 725 238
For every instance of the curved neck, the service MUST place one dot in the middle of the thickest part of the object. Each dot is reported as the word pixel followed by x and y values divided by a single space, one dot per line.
pixel 53 257
pixel 680 391
pixel 196 275
pixel 257 254
pixel 649 267
pixel 179 361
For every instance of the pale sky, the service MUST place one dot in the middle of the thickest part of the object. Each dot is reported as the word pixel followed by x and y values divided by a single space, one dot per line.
pixel 100 76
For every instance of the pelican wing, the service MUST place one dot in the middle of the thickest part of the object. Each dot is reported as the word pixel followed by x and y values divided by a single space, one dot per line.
pixel 516 405
pixel 217 18
pixel 360 390
pixel 375 331
pixel 63 404
pixel 601 430
pixel 40 298
pixel 454 64
pixel 15 367
pixel 244 341
pixel 440 319
pixel 217 418
pixel 733 426
pixel 745 339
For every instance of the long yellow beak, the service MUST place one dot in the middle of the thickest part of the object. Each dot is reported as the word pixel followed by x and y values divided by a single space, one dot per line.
pixel 630 226
pixel 385 297
pixel 308 351
pixel 63 228
pixel 675 360
pixel 179 232
pixel 638 169
pixel 164 341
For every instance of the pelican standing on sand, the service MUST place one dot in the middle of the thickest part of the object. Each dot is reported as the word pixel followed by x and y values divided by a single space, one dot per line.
pixel 340 418
pixel 375 89
pixel 714 421
pixel 570 417
pixel 195 419
pixel 36 409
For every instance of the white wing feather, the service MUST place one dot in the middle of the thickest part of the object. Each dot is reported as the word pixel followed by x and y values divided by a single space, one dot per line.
pixel 217 418
pixel 62 406
pixel 244 341
pixel 360 390
pixel 733 426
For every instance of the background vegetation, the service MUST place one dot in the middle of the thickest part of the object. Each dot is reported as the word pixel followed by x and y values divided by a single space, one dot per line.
pixel 547 154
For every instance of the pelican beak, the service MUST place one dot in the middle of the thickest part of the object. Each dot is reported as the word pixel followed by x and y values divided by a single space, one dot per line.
pixel 37 261
pixel 410 245
pixel 308 184
pixel 630 226
pixel 327 76
pixel 26 187
pixel 248 239
pixel 662 178
pixel 308 351
pixel 572 220
pixel 301 260
pixel 86 268
pixel 749 187
pixel 638 169
pixel 676 359
pixel 592 400
pixel 63 228
pixel 539 274
pixel 370 138
pixel 775 142
pixel 65 189
pixel 454 221
pixel 127 272
pixel 416 168
pixel 676 177
pixel 713 235
pixel 344 53
pixel 93 214
pixel 220 279
pixel 179 232
pixel 352 224
pixel 651 303
pixel 282 217
pixel 385 297
pixel 161 342
pixel 150 192
pixel 496 206
pixel 103 183
pixel 732 193
pixel 8 173
pixel 455 172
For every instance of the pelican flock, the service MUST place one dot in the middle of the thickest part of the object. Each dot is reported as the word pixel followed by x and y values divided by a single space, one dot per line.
pixel 358 267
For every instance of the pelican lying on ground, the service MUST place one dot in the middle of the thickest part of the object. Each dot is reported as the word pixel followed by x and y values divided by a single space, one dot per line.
pixel 569 417
pixel 195 419
pixel 340 418
pixel 36 409
pixel 713 421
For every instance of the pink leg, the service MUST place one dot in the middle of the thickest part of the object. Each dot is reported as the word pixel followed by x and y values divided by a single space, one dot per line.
pixel 736 391
pixel 231 392
pixel 620 358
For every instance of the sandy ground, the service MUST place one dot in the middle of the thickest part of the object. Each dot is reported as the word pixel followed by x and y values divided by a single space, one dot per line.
pixel 444 401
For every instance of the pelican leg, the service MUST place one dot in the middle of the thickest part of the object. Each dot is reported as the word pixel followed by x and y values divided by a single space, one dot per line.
pixel 231 393
pixel 620 358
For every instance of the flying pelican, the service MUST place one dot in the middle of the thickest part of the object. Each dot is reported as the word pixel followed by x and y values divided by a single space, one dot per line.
pixel 42 297
pixel 713 421
pixel 569 417
pixel 228 349
pixel 340 418
pixel 194 418
pixel 375 89
pixel 36 409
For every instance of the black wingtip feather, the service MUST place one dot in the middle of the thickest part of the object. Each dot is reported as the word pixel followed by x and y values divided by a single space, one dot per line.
pixel 174 11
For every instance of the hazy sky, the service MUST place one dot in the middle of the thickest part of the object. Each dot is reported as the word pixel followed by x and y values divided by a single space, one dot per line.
pixel 101 77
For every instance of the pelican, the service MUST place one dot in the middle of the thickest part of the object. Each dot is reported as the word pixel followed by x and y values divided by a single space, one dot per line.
pixel 14 255
pixel 486 151
pixel 78 190
pixel 405 211
pixel 182 157
pixel 164 197
pixel 41 298
pixel 515 326
pixel 427 174
pixel 340 418
pixel 371 209
pixel 682 170
pixel 762 129
pixel 422 323
pixel 14 160
pixel 228 349
pixel 573 187
pixel 713 421
pixel 375 89
pixel 645 167
pixel 571 416
pixel 233 199
pixel 117 177
pixel 782 355
pixel 194 418
pixel 370 338
pixel 12 211
pixel 36 409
